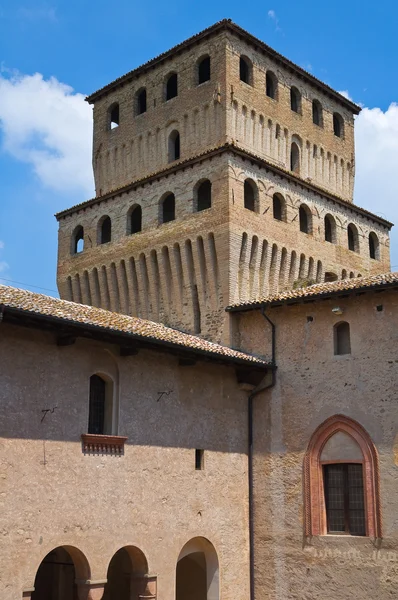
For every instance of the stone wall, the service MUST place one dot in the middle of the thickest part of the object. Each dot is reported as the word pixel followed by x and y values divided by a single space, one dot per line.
pixel 53 494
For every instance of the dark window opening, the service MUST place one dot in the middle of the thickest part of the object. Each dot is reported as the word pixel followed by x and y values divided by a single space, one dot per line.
pixel 295 100
pixel 373 246
pixel 344 498
pixel 172 87
pixel 277 207
pixel 330 276
pixel 310 319
pixel 304 220
pixel 295 158
pixel 106 231
pixel 249 196
pixel 245 70
pixel 114 116
pixel 379 308
pixel 199 459
pixel 204 70
pixel 270 85
pixel 78 241
pixel 329 227
pixel 352 238
pixel 316 112
pixel 141 102
pixel 204 195
pixel 136 220
pixel 337 125
pixel 174 146
pixel 342 342
pixel 168 209
pixel 96 418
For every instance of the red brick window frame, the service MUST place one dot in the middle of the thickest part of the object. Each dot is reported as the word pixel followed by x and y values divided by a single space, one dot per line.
pixel 314 493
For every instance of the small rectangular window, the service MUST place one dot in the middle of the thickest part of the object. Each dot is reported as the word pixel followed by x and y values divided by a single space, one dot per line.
pixel 344 497
pixel 199 459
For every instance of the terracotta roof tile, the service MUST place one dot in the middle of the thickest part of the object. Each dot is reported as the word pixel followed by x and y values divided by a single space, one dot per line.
pixel 111 322
pixel 320 290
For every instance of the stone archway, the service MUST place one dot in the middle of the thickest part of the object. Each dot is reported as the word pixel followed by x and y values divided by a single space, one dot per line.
pixel 58 572
pixel 197 573
pixel 128 577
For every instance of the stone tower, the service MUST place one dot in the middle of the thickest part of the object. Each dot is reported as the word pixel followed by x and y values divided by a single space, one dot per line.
pixel 223 172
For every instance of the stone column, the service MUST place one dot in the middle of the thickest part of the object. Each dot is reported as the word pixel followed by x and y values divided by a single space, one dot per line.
pixel 90 590
pixel 143 587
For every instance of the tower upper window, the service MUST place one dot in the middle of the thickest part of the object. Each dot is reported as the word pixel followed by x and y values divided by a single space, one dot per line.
pixel 78 240
pixel 134 224
pixel 305 219
pixel 172 86
pixel 168 209
pixel 250 195
pixel 141 102
pixel 278 207
pixel 271 85
pixel 100 406
pixel 295 158
pixel 245 70
pixel 317 113
pixel 113 116
pixel 174 146
pixel 203 195
pixel 352 236
pixel 204 70
pixel 105 230
pixel 295 100
pixel 330 229
pixel 338 125
pixel 374 248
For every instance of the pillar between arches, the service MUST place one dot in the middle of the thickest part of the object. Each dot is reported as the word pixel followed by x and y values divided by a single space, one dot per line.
pixel 90 590
pixel 143 587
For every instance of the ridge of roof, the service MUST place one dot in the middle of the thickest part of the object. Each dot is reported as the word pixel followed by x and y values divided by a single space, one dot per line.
pixel 71 313
pixel 228 146
pixel 320 290
pixel 212 29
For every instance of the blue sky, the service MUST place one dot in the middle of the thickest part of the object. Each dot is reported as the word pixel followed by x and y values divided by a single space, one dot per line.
pixel 74 47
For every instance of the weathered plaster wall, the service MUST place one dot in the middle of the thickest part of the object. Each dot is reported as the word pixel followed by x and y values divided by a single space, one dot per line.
pixel 152 497
pixel 312 385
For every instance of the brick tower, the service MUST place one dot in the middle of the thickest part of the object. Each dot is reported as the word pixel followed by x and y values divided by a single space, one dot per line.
pixel 223 172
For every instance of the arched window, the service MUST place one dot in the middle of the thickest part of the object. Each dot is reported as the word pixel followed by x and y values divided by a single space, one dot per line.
pixel 172 86
pixel 250 195
pixel 330 229
pixel 100 416
pixel 342 341
pixel 203 195
pixel 317 113
pixel 278 207
pixel 338 125
pixel 245 70
pixel 168 209
pixel 271 85
pixel 295 100
pixel 305 219
pixel 105 230
pixel 295 158
pixel 330 276
pixel 374 247
pixel 141 101
pixel 113 116
pixel 352 236
pixel 204 70
pixel 77 240
pixel 134 223
pixel 341 481
pixel 197 573
pixel 174 146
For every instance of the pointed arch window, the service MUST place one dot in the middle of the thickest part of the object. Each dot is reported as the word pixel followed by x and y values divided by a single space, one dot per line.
pixel 341 481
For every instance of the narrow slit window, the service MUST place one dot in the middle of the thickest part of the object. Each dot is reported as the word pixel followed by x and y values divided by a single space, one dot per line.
pixel 96 420
pixel 199 459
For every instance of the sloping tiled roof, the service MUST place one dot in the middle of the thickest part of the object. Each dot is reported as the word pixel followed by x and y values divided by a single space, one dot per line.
pixel 219 26
pixel 321 290
pixel 228 146
pixel 71 313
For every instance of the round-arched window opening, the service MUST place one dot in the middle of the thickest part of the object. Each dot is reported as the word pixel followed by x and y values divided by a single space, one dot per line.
pixel 105 230
pixel 295 100
pixel 305 219
pixel 330 229
pixel 203 195
pixel 134 220
pixel 317 113
pixel 374 246
pixel 204 71
pixel 172 86
pixel 168 209
pixel 250 193
pixel 295 158
pixel 140 100
pixel 271 85
pixel 113 116
pixel 338 125
pixel 77 240
pixel 278 207
pixel 174 146
pixel 352 238
pixel 245 70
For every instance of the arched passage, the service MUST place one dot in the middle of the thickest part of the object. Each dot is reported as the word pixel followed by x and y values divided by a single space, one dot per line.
pixel 197 573
pixel 127 577
pixel 58 572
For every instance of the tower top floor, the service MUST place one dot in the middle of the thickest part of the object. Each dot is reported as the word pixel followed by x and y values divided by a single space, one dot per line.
pixel 220 86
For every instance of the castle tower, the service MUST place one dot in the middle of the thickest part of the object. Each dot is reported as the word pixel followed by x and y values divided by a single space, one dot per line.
pixel 223 172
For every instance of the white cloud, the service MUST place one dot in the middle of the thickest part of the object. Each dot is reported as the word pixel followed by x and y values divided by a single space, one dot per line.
pixel 49 126
pixel 272 15
pixel 376 183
